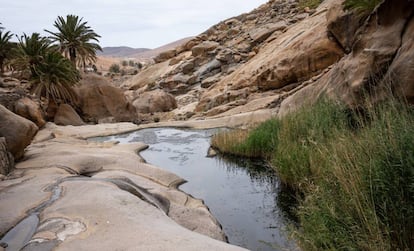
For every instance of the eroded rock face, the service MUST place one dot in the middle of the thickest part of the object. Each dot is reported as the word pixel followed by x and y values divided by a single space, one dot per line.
pixel 98 100
pixel 30 110
pixel 302 52
pixel 378 43
pixel 381 61
pixel 155 101
pixel 101 196
pixel 17 130
pixel 401 69
pixel 66 115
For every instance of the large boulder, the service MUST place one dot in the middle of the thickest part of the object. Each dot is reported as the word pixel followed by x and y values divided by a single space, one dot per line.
pixel 66 115
pixel 343 25
pixel 30 110
pixel 17 130
pixel 203 48
pixel 165 55
pixel 380 40
pixel 381 62
pixel 6 158
pixel 98 100
pixel 401 70
pixel 155 101
pixel 148 76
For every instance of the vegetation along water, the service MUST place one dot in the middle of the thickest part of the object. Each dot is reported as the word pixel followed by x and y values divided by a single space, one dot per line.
pixel 352 172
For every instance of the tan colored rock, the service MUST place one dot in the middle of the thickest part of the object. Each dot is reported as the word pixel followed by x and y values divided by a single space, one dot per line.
pixel 401 71
pixel 300 53
pixel 148 76
pixel 123 203
pixel 30 110
pixel 17 130
pixel 343 25
pixel 203 48
pixel 98 99
pixel 165 55
pixel 66 115
pixel 155 101
pixel 262 33
pixel 373 52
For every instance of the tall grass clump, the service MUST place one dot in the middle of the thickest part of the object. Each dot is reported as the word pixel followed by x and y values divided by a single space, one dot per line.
pixel 366 199
pixel 300 136
pixel 353 170
pixel 258 142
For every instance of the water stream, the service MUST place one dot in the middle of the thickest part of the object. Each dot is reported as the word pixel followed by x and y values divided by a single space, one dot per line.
pixel 242 195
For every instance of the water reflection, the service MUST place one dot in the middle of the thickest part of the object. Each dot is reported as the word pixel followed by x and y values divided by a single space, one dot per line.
pixel 242 194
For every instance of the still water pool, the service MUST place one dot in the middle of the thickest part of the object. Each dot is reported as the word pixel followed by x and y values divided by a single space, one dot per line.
pixel 242 195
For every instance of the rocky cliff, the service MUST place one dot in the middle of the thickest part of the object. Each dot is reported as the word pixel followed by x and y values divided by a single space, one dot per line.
pixel 280 56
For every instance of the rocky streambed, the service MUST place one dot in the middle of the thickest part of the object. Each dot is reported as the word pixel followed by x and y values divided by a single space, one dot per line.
pixel 72 194
pixel 242 194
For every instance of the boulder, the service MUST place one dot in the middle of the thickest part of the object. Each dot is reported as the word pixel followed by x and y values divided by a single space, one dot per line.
pixel 149 76
pixel 342 25
pixel 66 115
pixel 17 130
pixel 207 69
pixel 6 158
pixel 165 55
pixel 8 98
pixel 188 67
pixel 381 60
pixel 98 99
pixel 30 110
pixel 262 33
pixel 178 83
pixel 401 69
pixel 382 42
pixel 155 101
pixel 203 48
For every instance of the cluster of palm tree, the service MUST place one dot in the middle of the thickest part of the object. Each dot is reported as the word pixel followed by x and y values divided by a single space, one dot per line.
pixel 50 63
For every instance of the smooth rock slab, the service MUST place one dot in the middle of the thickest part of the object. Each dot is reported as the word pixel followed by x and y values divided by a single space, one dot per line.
pixel 101 196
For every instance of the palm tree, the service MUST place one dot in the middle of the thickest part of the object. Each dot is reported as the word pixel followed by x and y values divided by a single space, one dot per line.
pixel 51 75
pixel 74 37
pixel 55 78
pixel 6 47
pixel 30 52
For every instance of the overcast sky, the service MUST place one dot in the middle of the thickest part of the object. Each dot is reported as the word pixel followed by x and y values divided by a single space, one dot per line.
pixel 134 23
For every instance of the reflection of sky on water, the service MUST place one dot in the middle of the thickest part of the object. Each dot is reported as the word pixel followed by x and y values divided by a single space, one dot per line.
pixel 241 194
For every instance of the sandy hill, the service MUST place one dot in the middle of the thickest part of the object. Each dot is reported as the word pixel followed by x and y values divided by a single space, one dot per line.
pixel 121 51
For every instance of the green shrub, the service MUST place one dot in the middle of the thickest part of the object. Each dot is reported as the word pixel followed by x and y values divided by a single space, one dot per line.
pixel 361 6
pixel 309 3
pixel 115 68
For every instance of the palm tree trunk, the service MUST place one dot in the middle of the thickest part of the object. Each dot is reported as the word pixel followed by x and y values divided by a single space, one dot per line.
pixel 1 66
pixel 72 55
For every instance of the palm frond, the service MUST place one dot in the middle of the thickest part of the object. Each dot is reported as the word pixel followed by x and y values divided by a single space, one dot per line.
pixel 73 37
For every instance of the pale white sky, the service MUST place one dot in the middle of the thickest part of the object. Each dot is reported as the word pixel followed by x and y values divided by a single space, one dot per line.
pixel 134 23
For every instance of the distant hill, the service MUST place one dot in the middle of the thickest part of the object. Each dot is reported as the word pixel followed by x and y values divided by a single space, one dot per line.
pixel 139 53
pixel 121 51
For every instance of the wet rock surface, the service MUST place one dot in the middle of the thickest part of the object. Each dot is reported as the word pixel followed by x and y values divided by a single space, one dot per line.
pixel 74 194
